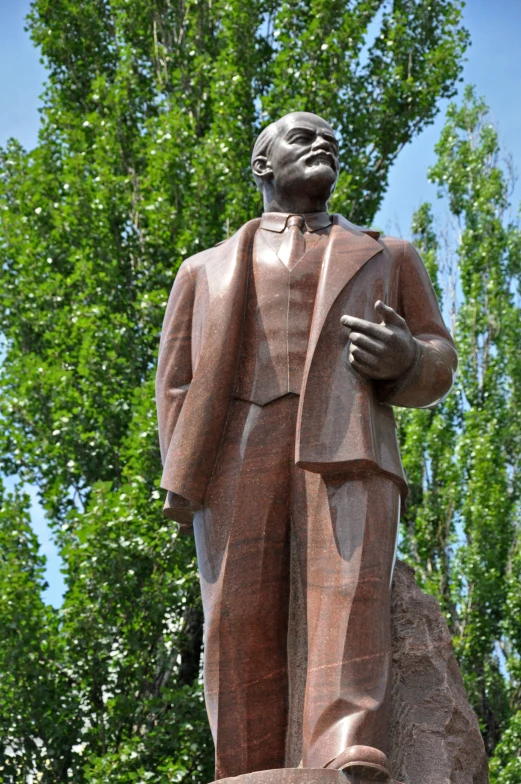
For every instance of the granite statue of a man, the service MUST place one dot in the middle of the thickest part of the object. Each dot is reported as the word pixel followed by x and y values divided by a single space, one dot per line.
pixel 283 351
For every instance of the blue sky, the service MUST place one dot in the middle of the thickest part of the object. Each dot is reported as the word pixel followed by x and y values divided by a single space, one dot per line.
pixel 493 65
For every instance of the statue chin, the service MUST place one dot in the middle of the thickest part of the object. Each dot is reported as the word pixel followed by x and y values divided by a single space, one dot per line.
pixel 320 180
pixel 316 184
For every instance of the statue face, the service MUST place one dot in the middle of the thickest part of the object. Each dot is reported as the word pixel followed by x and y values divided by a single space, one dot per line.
pixel 304 156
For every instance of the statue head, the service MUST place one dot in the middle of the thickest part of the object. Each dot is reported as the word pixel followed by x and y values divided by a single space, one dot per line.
pixel 295 163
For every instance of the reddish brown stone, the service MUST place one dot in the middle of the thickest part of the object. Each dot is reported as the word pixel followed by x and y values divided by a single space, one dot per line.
pixel 345 420
pixel 275 385
pixel 288 776
pixel 434 733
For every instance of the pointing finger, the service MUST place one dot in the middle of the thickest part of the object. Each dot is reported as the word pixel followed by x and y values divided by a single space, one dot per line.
pixel 388 314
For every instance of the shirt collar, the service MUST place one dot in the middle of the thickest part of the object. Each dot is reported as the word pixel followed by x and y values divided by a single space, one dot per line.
pixel 276 221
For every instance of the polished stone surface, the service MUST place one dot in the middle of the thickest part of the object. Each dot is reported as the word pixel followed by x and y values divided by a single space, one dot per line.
pixel 434 734
pixel 345 420
pixel 283 351
pixel 277 320
pixel 345 571
pixel 297 776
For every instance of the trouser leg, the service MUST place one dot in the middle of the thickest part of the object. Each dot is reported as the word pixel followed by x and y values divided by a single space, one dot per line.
pixel 242 540
pixel 346 533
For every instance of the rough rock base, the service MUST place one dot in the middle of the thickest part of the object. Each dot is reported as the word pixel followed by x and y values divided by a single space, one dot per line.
pixel 435 736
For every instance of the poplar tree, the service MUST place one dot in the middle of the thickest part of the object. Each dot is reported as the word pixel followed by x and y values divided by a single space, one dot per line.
pixel 149 115
pixel 463 458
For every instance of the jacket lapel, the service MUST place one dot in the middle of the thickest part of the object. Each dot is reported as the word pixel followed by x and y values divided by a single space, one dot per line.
pixel 227 270
pixel 347 251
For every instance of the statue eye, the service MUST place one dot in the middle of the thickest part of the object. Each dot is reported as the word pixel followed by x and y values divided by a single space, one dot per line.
pixel 301 138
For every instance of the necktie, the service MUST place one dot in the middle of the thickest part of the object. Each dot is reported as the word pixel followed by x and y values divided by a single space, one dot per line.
pixel 293 245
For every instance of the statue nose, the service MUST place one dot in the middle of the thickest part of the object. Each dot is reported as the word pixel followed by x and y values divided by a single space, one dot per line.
pixel 321 144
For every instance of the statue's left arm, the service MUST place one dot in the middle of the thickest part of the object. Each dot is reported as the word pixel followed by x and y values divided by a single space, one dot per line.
pixel 410 355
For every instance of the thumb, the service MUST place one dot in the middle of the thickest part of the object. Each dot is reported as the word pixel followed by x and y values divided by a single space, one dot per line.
pixel 387 314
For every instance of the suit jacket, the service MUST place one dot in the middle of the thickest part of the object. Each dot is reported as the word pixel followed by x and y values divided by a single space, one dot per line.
pixel 345 422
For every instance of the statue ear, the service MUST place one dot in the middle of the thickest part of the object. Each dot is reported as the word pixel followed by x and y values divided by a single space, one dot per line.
pixel 261 167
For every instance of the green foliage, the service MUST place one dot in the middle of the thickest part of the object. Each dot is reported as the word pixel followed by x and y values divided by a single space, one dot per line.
pixel 130 620
pixel 37 705
pixel 505 767
pixel 461 530
pixel 149 117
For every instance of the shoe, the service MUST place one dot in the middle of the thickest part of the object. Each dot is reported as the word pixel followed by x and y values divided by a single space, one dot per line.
pixel 364 762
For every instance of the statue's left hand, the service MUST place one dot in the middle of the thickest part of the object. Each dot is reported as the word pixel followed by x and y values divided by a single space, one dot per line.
pixel 381 351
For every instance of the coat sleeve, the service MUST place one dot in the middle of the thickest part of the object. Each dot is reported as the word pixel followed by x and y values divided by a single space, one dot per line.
pixel 173 378
pixel 432 373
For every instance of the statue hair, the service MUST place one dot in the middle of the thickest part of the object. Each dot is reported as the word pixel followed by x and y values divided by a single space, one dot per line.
pixel 263 144
pixel 264 140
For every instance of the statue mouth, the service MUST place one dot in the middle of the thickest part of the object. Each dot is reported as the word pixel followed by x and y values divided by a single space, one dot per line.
pixel 323 157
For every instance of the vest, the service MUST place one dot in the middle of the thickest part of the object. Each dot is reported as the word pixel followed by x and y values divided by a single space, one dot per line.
pixel 277 320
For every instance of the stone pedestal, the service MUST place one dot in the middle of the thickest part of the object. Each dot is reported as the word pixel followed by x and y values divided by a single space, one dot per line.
pixel 294 776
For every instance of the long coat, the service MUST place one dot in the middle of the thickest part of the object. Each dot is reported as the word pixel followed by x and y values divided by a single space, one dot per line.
pixel 345 423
